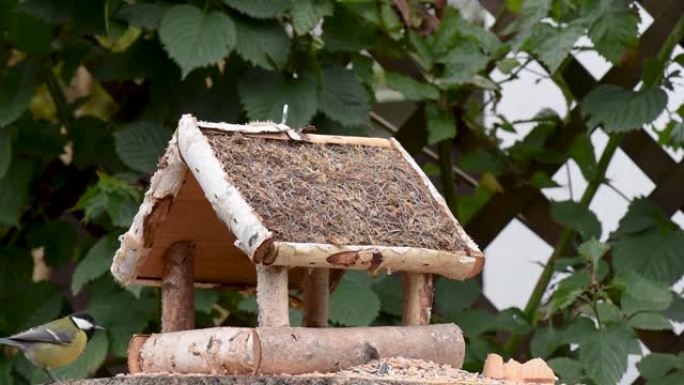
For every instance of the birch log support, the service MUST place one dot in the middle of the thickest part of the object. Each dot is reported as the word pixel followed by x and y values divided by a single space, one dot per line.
pixel 178 309
pixel 418 295
pixel 316 293
pixel 272 296
pixel 294 350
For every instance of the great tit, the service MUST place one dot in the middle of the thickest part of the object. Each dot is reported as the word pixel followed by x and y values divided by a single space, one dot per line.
pixel 56 343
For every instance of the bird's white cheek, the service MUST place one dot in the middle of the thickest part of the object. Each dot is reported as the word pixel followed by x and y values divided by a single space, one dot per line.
pixel 82 324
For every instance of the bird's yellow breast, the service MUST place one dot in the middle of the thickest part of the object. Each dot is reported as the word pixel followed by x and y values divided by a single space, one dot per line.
pixel 53 356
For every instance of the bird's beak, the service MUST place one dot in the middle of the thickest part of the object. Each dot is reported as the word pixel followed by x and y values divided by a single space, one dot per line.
pixel 98 327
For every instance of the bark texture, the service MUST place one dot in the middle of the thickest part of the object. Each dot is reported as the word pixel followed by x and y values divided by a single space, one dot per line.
pixel 252 237
pixel 418 296
pixel 316 294
pixel 455 265
pixel 272 296
pixel 136 242
pixel 293 350
pixel 178 308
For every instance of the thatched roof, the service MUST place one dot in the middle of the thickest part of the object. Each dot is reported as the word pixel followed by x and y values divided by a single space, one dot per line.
pixel 263 193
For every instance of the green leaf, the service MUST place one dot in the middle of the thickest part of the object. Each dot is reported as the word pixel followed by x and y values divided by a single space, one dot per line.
pixel 59 239
pixel 620 110
pixel 194 38
pixel 17 85
pixel 113 196
pixel 657 254
pixel 391 22
pixel 143 59
pixel 412 89
pixel 552 45
pixel 476 321
pixel 582 152
pixel 506 66
pixel 531 12
pixel 96 262
pixel 46 309
pixel 454 30
pixel 546 341
pixel 593 250
pixel 657 365
pixel 604 353
pixel 673 134
pixel 5 372
pixel 342 97
pixel 139 145
pixel 389 290
pixel 306 14
pixel 513 320
pixel 569 289
pixel 642 294
pixel 50 11
pixel 249 305
pixel 675 378
pixel 363 68
pixel 452 297
pixel 641 216
pixel 37 139
pixel 5 151
pixel 107 301
pixel 676 311
pixel 653 73
pixel 264 94
pixel 344 32
pixel 577 217
pixel 533 146
pixel 93 145
pixel 422 48
pixel 353 303
pixel 614 28
pixel 28 33
pixel 462 63
pixel 541 180
pixel 205 299
pixel 479 161
pixel 261 9
pixel 263 43
pixel 144 15
pixel 607 312
pixel 568 370
pixel 649 321
pixel 440 124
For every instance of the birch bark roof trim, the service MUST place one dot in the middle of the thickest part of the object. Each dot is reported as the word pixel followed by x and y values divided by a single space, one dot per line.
pixel 281 131
pixel 164 185
pixel 437 196
pixel 454 265
pixel 226 200
pixel 249 128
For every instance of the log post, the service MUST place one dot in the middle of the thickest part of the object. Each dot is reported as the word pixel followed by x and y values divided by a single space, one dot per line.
pixel 272 295
pixel 178 309
pixel 292 350
pixel 316 293
pixel 418 295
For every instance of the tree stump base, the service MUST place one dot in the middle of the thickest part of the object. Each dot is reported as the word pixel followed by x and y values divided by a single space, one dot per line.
pixel 264 380
pixel 387 371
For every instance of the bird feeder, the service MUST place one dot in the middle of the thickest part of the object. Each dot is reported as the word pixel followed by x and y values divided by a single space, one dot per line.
pixel 264 205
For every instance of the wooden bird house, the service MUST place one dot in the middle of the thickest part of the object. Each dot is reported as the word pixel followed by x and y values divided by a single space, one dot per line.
pixel 262 204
